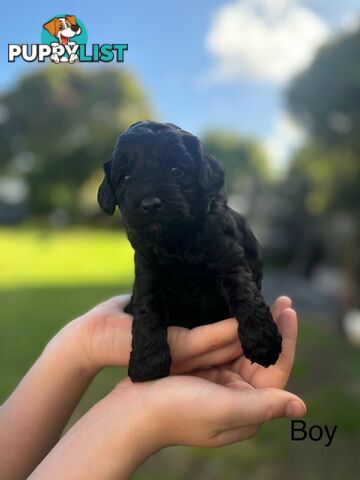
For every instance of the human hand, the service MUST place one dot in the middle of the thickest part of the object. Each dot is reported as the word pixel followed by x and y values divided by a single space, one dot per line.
pixel 276 375
pixel 212 407
pixel 64 370
pixel 225 404
pixel 102 337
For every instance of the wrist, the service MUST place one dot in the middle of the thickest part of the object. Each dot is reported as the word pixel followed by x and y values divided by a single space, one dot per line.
pixel 132 426
pixel 137 403
pixel 110 441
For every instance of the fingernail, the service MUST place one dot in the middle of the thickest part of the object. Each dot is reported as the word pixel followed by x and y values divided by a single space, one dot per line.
pixel 295 409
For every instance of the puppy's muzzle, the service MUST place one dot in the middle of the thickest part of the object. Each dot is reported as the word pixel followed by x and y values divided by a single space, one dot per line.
pixel 75 28
pixel 151 205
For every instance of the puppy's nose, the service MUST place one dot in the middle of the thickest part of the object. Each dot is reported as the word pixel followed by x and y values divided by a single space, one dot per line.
pixel 153 204
pixel 74 28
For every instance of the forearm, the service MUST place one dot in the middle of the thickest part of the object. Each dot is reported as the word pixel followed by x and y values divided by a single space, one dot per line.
pixel 32 419
pixel 107 443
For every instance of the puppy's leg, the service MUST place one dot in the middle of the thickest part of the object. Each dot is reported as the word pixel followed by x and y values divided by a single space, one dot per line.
pixel 258 333
pixel 55 56
pixel 150 357
pixel 259 336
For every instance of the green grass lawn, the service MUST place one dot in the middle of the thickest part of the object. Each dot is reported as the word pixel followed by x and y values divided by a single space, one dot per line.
pixel 34 305
pixel 32 257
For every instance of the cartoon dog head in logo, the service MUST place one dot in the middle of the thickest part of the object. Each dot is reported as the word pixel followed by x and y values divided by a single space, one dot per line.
pixel 63 28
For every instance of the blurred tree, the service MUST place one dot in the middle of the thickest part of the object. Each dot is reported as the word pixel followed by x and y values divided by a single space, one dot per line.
pixel 326 99
pixel 60 126
pixel 243 159
pixel 332 176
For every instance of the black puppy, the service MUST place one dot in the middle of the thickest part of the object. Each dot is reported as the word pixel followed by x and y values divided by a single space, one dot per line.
pixel 196 261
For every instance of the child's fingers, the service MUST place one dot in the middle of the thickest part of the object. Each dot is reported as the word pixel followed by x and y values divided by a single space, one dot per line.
pixel 279 305
pixel 234 435
pixel 119 301
pixel 220 356
pixel 211 337
pixel 256 406
pixel 288 327
pixel 277 375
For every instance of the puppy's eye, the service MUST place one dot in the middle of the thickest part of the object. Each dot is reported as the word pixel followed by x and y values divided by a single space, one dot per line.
pixel 126 180
pixel 177 171
pixel 61 27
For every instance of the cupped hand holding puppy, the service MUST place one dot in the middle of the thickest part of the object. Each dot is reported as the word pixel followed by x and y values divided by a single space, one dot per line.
pixel 58 379
pixel 211 407
pixel 103 338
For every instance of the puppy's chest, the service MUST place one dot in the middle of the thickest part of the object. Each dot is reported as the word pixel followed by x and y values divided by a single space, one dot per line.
pixel 184 268
pixel 194 295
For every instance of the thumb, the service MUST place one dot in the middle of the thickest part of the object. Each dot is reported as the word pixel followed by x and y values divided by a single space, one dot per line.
pixel 264 404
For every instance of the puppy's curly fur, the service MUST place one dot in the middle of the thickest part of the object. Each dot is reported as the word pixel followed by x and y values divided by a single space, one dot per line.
pixel 196 260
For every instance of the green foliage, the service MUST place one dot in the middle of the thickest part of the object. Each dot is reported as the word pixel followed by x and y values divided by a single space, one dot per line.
pixel 331 175
pixel 326 98
pixel 243 158
pixel 61 126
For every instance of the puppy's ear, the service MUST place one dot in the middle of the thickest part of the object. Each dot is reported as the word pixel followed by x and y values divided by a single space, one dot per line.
pixel 106 194
pixel 211 172
pixel 71 19
pixel 53 26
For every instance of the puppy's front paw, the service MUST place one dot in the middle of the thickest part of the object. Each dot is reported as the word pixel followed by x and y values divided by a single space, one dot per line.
pixel 143 367
pixel 261 341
